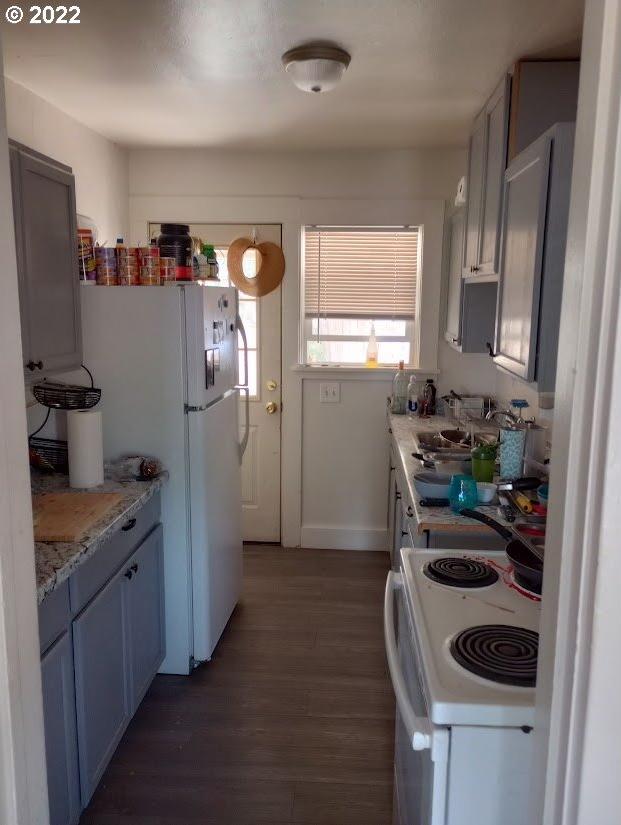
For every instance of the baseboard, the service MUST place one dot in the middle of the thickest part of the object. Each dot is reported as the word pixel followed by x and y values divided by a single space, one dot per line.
pixel 344 538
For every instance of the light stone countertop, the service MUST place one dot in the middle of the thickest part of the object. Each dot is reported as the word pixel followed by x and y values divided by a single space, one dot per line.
pixel 55 561
pixel 440 519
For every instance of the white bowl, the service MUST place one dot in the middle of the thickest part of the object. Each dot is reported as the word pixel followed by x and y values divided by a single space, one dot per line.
pixel 432 485
pixel 486 491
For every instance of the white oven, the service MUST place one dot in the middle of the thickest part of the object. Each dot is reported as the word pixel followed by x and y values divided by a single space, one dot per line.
pixel 463 746
pixel 421 748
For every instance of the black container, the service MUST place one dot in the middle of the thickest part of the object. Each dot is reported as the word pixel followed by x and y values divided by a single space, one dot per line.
pixel 175 242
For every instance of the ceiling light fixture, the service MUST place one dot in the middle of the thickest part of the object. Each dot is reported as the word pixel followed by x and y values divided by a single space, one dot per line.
pixel 316 67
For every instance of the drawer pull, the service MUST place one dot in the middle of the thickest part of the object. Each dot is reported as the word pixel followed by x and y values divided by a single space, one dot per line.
pixel 134 568
pixel 129 526
pixel 410 512
pixel 128 574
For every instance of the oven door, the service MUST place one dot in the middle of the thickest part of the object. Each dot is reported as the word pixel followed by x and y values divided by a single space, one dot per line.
pixel 421 748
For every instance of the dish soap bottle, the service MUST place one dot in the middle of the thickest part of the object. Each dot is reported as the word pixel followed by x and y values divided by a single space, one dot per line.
pixel 372 349
pixel 414 393
pixel 399 399
pixel 428 406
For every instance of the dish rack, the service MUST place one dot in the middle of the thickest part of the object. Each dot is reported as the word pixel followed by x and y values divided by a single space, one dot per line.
pixel 54 452
pixel 59 396
pixel 468 406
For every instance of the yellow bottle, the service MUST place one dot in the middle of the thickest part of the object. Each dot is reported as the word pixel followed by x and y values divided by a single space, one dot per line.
pixel 372 349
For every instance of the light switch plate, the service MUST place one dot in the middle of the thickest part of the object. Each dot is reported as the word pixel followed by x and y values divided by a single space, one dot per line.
pixel 330 392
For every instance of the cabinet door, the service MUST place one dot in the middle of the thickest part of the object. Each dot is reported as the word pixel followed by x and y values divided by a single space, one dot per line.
pixel 497 119
pixel 392 500
pixel 101 680
pixel 453 309
pixel 61 745
pixel 476 162
pixel 46 243
pixel 525 197
pixel 145 611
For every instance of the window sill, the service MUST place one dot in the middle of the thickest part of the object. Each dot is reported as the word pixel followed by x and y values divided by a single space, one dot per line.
pixel 361 373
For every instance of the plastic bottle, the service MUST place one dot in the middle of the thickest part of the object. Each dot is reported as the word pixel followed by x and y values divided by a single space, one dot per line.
pixel 120 244
pixel 399 399
pixel 372 349
pixel 414 391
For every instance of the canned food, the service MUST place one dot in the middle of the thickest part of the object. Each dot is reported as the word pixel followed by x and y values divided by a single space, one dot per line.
pixel 150 275
pixel 129 275
pixel 146 254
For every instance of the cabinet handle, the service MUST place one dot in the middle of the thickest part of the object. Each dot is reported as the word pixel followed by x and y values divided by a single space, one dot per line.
pixel 134 568
pixel 34 365
pixel 475 268
pixel 129 526
pixel 409 511
pixel 397 495
pixel 490 350
pixel 128 574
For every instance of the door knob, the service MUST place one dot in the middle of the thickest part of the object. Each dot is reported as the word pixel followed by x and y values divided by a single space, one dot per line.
pixel 271 407
pixel 271 385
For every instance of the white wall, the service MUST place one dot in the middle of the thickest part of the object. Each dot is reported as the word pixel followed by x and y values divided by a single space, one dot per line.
pixel 101 180
pixel 100 166
pixel 389 187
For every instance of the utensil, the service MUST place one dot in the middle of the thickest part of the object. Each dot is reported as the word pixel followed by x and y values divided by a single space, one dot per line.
pixel 527 559
pixel 434 502
pixel 524 483
pixel 506 510
pixel 463 493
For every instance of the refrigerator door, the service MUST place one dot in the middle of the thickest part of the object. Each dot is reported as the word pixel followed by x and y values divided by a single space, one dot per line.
pixel 211 334
pixel 215 518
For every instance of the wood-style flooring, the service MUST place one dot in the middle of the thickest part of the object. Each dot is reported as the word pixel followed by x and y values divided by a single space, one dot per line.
pixel 291 723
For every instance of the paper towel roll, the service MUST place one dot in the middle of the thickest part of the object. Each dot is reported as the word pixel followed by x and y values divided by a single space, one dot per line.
pixel 85 443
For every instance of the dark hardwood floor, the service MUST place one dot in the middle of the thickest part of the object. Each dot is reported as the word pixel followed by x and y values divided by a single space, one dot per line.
pixel 291 722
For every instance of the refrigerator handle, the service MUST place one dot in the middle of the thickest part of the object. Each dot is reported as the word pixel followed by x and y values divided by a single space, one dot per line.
pixel 244 388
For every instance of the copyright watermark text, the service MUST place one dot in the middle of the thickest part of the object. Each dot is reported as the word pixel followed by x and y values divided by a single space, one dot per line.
pixel 43 15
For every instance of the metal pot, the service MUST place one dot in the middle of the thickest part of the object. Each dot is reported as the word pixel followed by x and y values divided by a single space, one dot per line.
pixel 527 559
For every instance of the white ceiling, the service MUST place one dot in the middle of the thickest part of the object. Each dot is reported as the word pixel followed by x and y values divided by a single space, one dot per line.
pixel 192 73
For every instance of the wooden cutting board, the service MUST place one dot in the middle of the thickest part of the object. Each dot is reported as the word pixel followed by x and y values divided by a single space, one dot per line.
pixel 68 516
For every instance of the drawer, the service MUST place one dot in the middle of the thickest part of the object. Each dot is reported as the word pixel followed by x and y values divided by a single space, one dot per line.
pixel 54 615
pixel 93 574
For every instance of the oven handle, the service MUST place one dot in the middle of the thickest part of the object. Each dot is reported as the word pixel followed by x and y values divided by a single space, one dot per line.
pixel 417 727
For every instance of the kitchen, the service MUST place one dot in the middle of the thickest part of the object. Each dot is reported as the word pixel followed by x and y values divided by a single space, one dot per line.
pixel 327 439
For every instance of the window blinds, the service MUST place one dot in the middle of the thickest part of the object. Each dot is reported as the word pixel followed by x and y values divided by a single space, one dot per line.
pixel 360 272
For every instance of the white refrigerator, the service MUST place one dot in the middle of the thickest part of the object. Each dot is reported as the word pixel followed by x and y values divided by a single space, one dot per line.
pixel 166 361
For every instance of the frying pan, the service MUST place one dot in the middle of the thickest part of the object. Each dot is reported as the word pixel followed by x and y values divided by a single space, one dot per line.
pixel 527 560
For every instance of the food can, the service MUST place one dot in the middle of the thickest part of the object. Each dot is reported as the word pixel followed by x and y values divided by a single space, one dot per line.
pixel 107 276
pixel 168 270
pixel 129 274
pixel 150 275
pixel 146 254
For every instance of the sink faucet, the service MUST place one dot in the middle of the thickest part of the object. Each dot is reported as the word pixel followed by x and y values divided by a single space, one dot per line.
pixel 506 414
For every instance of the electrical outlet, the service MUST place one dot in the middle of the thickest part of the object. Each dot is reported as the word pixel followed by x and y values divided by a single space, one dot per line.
pixel 330 393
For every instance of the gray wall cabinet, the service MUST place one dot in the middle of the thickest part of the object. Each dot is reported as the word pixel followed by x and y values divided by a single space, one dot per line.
pixel 61 747
pixel 471 302
pixel 535 214
pixel 486 164
pixel 107 652
pixel 47 264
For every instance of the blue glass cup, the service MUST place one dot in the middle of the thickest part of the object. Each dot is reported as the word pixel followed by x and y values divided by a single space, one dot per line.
pixel 463 493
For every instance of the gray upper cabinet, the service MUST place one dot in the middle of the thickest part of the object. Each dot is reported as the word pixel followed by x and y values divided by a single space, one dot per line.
pixel 60 733
pixel 46 247
pixel 486 165
pixel 453 308
pixel 535 213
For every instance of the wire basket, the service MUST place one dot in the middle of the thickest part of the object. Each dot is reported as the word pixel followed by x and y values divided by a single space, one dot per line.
pixel 58 396
pixel 55 453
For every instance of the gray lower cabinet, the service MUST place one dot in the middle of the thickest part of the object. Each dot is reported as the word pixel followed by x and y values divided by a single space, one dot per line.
pixel 102 662
pixel 61 746
pixel 102 683
pixel 118 647
pixel 46 247
pixel 145 614
pixel 536 209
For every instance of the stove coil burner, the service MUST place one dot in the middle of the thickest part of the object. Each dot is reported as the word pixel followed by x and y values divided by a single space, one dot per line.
pixel 498 652
pixel 460 572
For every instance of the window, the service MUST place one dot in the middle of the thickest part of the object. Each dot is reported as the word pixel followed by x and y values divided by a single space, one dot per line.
pixel 249 315
pixel 357 279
